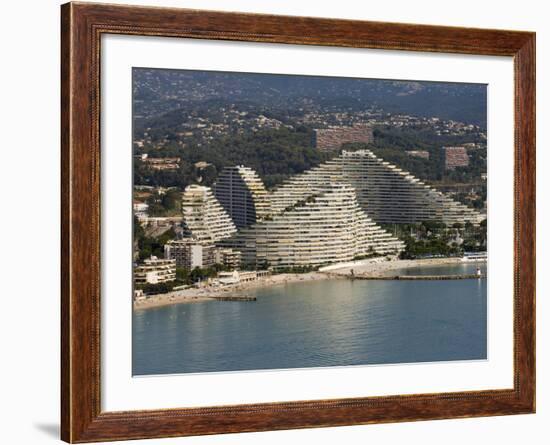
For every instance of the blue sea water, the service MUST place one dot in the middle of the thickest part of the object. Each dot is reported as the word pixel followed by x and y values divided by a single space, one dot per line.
pixel 319 324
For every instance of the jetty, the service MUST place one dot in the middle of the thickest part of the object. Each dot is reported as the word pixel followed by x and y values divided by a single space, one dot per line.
pixel 234 298
pixel 418 277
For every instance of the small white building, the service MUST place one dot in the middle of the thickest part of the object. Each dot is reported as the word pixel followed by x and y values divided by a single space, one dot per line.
pixel 139 295
pixel 226 278
pixel 140 210
pixel 236 276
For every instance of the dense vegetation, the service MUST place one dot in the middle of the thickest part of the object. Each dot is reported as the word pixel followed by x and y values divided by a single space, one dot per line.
pixel 147 246
pixel 432 238
pixel 211 120
pixel 278 154
pixel 274 154
pixel 392 145
pixel 198 274
pixel 184 277
pixel 164 204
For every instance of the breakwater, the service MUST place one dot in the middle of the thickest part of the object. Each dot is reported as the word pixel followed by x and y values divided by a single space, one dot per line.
pixel 234 298
pixel 417 277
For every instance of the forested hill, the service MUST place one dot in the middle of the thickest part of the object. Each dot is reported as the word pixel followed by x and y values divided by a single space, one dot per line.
pixel 274 154
pixel 157 92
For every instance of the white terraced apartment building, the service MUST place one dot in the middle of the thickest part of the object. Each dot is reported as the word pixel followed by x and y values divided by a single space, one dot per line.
pixel 385 192
pixel 242 194
pixel 155 270
pixel 325 227
pixel 204 219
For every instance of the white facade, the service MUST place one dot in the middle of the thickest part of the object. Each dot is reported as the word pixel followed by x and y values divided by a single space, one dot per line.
pixel 228 257
pixel 236 276
pixel 188 253
pixel 385 192
pixel 204 219
pixel 327 226
pixel 154 270
pixel 196 256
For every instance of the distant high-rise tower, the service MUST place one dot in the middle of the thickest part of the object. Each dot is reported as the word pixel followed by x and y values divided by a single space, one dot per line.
pixel 242 194
pixel 455 157
pixel 333 138
pixel 204 219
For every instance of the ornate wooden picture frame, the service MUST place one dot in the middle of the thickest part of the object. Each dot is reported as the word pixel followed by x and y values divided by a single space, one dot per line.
pixel 82 25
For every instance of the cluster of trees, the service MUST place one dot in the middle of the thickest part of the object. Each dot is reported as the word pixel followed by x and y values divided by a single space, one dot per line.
pixel 164 204
pixel 183 277
pixel 147 245
pixel 186 276
pixel 371 254
pixel 297 269
pixel 477 201
pixel 433 238
pixel 156 288
pixel 392 144
pixel 475 238
pixel 429 247
pixel 275 154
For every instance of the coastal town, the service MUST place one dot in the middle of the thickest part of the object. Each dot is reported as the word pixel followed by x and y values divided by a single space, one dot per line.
pixel 275 216
pixel 345 190
pixel 236 234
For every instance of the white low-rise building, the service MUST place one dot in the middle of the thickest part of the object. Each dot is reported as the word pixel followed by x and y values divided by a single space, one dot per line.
pixel 236 276
pixel 226 278
pixel 154 271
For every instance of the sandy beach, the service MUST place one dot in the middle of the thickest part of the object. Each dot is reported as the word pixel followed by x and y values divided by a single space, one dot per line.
pixel 197 295
pixel 373 268
pixel 380 266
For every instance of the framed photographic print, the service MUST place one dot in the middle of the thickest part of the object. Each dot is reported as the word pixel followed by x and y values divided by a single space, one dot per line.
pixel 275 222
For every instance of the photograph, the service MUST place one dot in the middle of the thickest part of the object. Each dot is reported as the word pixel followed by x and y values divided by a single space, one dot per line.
pixel 275 222
pixel 287 221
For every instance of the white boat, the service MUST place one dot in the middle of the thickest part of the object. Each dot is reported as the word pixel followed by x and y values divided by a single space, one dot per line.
pixel 474 256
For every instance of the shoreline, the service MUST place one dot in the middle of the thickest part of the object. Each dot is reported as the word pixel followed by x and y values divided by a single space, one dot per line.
pixel 377 267
pixel 198 295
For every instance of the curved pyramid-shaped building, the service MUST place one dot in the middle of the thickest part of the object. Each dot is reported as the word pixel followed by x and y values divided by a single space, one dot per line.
pixel 204 219
pixel 242 194
pixel 325 227
pixel 385 192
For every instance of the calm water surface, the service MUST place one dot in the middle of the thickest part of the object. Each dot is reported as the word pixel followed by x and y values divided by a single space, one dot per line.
pixel 317 324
